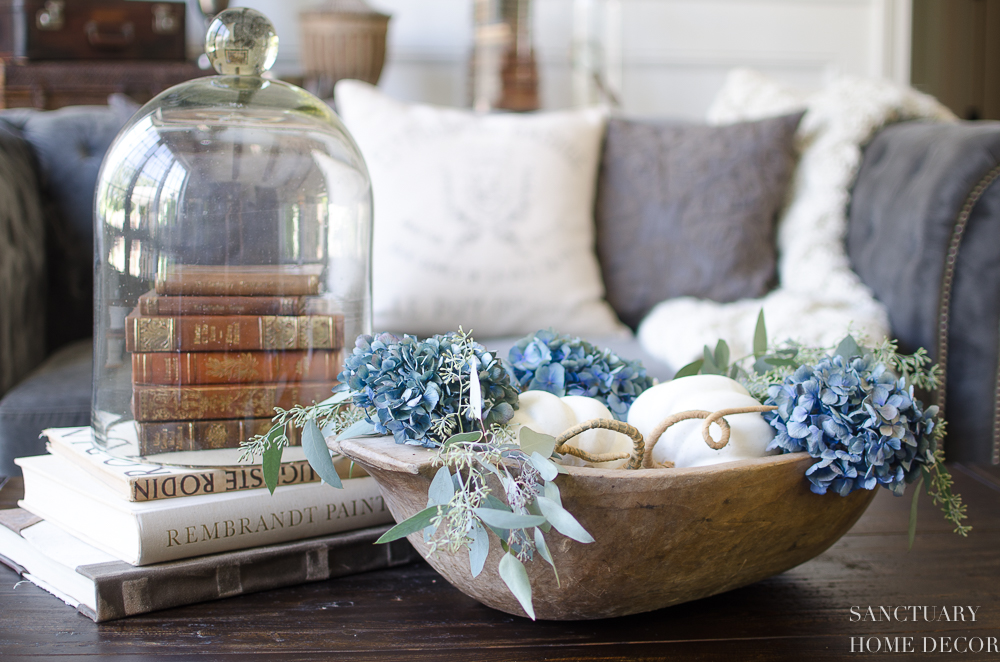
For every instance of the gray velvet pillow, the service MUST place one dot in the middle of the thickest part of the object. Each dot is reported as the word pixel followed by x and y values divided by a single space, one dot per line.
pixel 689 210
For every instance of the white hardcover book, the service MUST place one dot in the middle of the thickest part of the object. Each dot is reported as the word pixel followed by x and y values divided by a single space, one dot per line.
pixel 145 481
pixel 104 588
pixel 144 532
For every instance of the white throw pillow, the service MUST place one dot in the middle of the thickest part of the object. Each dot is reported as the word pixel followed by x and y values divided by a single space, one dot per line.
pixel 483 221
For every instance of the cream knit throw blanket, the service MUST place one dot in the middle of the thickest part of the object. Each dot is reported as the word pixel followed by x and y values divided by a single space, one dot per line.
pixel 819 298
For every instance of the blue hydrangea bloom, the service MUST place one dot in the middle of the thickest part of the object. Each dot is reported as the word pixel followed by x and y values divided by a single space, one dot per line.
pixel 859 421
pixel 566 365
pixel 403 385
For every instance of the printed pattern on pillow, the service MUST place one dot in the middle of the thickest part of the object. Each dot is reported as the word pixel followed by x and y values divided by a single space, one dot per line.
pixel 483 221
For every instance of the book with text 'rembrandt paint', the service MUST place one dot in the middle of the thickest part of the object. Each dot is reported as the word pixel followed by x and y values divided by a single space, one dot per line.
pixel 103 588
pixel 142 481
pixel 145 532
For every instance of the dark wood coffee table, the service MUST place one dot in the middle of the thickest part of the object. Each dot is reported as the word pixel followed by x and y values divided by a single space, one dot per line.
pixel 817 611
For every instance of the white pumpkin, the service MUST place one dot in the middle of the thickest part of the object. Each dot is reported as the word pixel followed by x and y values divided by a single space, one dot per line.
pixel 550 414
pixel 683 443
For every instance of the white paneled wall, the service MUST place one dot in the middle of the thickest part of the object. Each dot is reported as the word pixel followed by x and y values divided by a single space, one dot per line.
pixel 662 57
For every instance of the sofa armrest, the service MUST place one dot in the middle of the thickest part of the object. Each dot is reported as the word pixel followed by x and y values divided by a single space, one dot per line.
pixel 924 234
pixel 22 260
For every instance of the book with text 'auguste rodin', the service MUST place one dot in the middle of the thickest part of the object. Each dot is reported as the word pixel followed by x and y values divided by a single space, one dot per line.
pixel 104 588
pixel 144 532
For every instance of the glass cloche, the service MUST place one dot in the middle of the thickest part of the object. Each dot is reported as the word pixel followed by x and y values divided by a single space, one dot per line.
pixel 233 258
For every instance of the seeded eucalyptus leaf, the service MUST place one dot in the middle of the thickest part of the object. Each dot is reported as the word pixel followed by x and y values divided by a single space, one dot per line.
pixel 314 447
pixel 465 437
pixel 507 520
pixel 563 521
pixel 411 525
pixel 761 365
pixel 543 551
pixel 690 369
pixel 774 361
pixel 341 395
pixel 552 492
pixel 442 489
pixel 361 428
pixel 849 348
pixel 536 442
pixel 721 356
pixel 708 366
pixel 270 460
pixel 479 549
pixel 532 507
pixel 514 575
pixel 546 468
pixel 496 504
pixel 760 336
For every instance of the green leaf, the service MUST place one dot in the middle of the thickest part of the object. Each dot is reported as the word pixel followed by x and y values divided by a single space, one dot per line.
pixel 848 348
pixel 546 468
pixel 442 489
pixel 410 525
pixel 360 428
pixel 514 575
pixel 721 356
pixel 912 533
pixel 775 362
pixel 464 437
pixel 760 336
pixel 552 492
pixel 536 442
pixel 504 519
pixel 562 520
pixel 314 447
pixel 690 369
pixel 339 397
pixel 270 461
pixel 479 549
pixel 708 366
pixel 543 550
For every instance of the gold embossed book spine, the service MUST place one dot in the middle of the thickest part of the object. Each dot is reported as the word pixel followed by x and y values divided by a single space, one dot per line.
pixel 206 333
pixel 222 401
pixel 183 368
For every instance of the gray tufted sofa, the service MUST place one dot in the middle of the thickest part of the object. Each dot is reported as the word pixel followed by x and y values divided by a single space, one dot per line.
pixel 924 235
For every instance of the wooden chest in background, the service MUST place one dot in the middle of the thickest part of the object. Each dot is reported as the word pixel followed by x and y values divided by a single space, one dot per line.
pixel 91 30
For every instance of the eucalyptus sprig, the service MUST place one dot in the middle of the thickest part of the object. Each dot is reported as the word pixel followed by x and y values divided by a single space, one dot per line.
pixel 463 504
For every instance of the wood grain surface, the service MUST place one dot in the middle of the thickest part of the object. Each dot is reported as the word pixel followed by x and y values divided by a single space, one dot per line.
pixel 411 613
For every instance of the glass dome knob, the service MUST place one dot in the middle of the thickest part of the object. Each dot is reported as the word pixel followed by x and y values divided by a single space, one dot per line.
pixel 241 42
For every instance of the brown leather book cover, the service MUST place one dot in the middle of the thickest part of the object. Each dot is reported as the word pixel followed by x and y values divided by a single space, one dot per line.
pixel 207 333
pixel 217 401
pixel 173 436
pixel 181 368
pixel 151 303
pixel 254 280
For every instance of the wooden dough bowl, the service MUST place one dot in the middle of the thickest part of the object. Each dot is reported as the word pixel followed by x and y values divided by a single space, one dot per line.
pixel 663 536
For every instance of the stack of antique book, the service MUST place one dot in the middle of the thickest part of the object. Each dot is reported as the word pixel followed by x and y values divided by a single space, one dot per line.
pixel 114 538
pixel 216 349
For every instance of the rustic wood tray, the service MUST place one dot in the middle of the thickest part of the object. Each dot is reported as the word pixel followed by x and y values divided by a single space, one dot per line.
pixel 663 536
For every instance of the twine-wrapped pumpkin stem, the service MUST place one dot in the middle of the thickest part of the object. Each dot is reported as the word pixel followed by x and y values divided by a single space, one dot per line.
pixel 710 417
pixel 638 445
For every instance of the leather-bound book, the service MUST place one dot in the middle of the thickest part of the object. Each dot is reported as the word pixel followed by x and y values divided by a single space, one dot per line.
pixel 262 280
pixel 222 401
pixel 151 303
pixel 174 436
pixel 232 332
pixel 181 368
